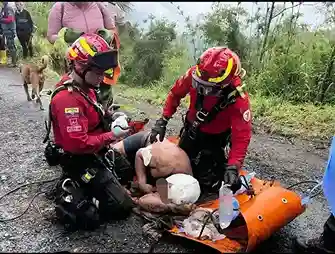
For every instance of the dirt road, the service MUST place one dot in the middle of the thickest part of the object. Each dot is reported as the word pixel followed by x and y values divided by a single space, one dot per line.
pixel 21 155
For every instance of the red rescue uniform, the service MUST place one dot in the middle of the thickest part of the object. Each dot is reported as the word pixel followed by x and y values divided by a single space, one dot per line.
pixel 75 122
pixel 236 116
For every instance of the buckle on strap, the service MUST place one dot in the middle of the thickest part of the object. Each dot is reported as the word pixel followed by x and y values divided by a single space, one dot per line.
pixel 192 131
pixel 200 115
pixel 110 155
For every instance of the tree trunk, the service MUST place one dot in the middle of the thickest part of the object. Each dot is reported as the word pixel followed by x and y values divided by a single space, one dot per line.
pixel 268 23
pixel 326 78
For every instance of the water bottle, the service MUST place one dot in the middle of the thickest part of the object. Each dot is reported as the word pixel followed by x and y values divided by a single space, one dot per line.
pixel 236 207
pixel 120 121
pixel 226 206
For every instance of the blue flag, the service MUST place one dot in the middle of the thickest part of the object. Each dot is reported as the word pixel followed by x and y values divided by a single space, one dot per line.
pixel 329 178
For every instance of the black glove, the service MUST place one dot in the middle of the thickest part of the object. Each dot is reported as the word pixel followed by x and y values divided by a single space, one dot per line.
pixel 159 128
pixel 232 178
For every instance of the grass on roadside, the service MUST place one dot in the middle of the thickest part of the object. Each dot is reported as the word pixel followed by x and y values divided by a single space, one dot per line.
pixel 304 120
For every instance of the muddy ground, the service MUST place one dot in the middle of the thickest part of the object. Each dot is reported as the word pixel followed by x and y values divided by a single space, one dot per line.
pixel 21 155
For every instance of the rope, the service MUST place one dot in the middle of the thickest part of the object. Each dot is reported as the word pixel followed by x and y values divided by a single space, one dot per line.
pixel 31 201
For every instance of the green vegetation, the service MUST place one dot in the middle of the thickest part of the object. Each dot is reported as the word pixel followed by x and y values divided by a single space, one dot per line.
pixel 290 72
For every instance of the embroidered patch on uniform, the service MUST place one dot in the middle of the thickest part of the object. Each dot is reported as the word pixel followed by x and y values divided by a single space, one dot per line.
pixel 73 121
pixel 247 115
pixel 75 128
pixel 71 112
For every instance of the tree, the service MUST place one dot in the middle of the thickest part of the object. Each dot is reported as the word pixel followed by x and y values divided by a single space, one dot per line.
pixel 222 27
pixel 125 6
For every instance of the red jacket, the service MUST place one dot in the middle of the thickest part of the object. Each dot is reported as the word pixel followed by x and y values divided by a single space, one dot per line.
pixel 236 116
pixel 75 121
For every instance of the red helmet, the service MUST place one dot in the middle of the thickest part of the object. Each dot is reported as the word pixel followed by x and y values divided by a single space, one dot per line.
pixel 93 51
pixel 216 69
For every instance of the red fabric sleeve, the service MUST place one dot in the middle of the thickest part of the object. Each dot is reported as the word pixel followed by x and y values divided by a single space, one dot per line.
pixel 73 126
pixel 241 130
pixel 179 90
pixel 8 19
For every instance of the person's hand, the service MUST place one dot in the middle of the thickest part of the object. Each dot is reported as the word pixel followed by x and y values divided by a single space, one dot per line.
pixel 118 133
pixel 146 188
pixel 232 178
pixel 116 114
pixel 158 129
pixel 70 35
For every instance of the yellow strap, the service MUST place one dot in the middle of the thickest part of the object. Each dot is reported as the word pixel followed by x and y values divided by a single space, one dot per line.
pixel 109 71
pixel 240 90
pixel 197 71
pixel 73 53
pixel 87 47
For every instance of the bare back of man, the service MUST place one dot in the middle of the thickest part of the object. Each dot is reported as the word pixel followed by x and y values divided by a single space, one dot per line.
pixel 157 160
pixel 167 159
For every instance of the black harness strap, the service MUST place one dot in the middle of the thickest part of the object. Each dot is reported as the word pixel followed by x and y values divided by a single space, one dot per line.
pixel 203 116
pixel 69 85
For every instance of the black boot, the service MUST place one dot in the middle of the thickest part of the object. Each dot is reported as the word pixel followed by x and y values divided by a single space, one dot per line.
pixel 323 244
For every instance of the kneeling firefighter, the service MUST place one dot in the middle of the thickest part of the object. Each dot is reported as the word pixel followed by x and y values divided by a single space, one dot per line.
pixel 90 192
pixel 219 113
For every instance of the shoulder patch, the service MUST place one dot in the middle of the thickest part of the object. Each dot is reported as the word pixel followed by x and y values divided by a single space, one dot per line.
pixel 247 115
pixel 71 110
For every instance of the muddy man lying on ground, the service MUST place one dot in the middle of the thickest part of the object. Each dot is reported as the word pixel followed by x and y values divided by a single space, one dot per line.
pixel 153 161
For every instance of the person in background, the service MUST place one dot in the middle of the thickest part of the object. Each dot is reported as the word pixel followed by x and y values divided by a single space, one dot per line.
pixel 117 12
pixel 83 17
pixel 3 56
pixel 7 20
pixel 24 29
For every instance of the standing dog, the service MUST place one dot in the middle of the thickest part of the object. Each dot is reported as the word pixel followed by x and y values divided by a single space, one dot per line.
pixel 34 75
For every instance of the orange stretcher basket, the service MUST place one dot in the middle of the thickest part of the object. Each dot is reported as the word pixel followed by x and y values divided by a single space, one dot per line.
pixel 271 208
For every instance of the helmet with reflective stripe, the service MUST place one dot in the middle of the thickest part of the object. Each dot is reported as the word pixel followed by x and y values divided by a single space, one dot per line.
pixel 92 50
pixel 216 69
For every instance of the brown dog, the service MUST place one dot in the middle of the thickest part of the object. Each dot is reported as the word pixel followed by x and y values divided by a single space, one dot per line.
pixel 34 75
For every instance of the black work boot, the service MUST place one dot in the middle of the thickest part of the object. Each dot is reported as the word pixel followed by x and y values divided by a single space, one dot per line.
pixel 323 244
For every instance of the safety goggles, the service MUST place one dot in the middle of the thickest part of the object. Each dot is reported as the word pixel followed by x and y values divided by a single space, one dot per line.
pixel 207 88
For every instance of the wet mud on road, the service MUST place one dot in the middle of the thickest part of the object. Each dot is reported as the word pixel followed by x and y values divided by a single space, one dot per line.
pixel 21 154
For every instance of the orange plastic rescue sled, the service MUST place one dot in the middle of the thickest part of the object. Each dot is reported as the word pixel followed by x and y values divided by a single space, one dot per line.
pixel 270 209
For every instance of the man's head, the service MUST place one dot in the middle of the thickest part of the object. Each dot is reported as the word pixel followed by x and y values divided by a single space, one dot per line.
pixel 19 6
pixel 92 57
pixel 215 70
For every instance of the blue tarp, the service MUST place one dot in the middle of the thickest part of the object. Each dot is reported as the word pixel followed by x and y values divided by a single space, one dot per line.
pixel 329 178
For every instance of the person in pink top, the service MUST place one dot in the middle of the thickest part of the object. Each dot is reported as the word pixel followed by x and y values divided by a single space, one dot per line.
pixel 85 17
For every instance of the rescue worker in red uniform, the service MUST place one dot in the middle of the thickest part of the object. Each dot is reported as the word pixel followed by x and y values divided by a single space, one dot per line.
pixel 219 113
pixel 78 123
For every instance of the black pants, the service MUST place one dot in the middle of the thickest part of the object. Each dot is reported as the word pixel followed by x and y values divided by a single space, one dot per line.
pixel 329 233
pixel 114 202
pixel 26 43
pixel 2 42
pixel 207 155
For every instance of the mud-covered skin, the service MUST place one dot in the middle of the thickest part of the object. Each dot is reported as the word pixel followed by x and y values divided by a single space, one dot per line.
pixel 21 134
